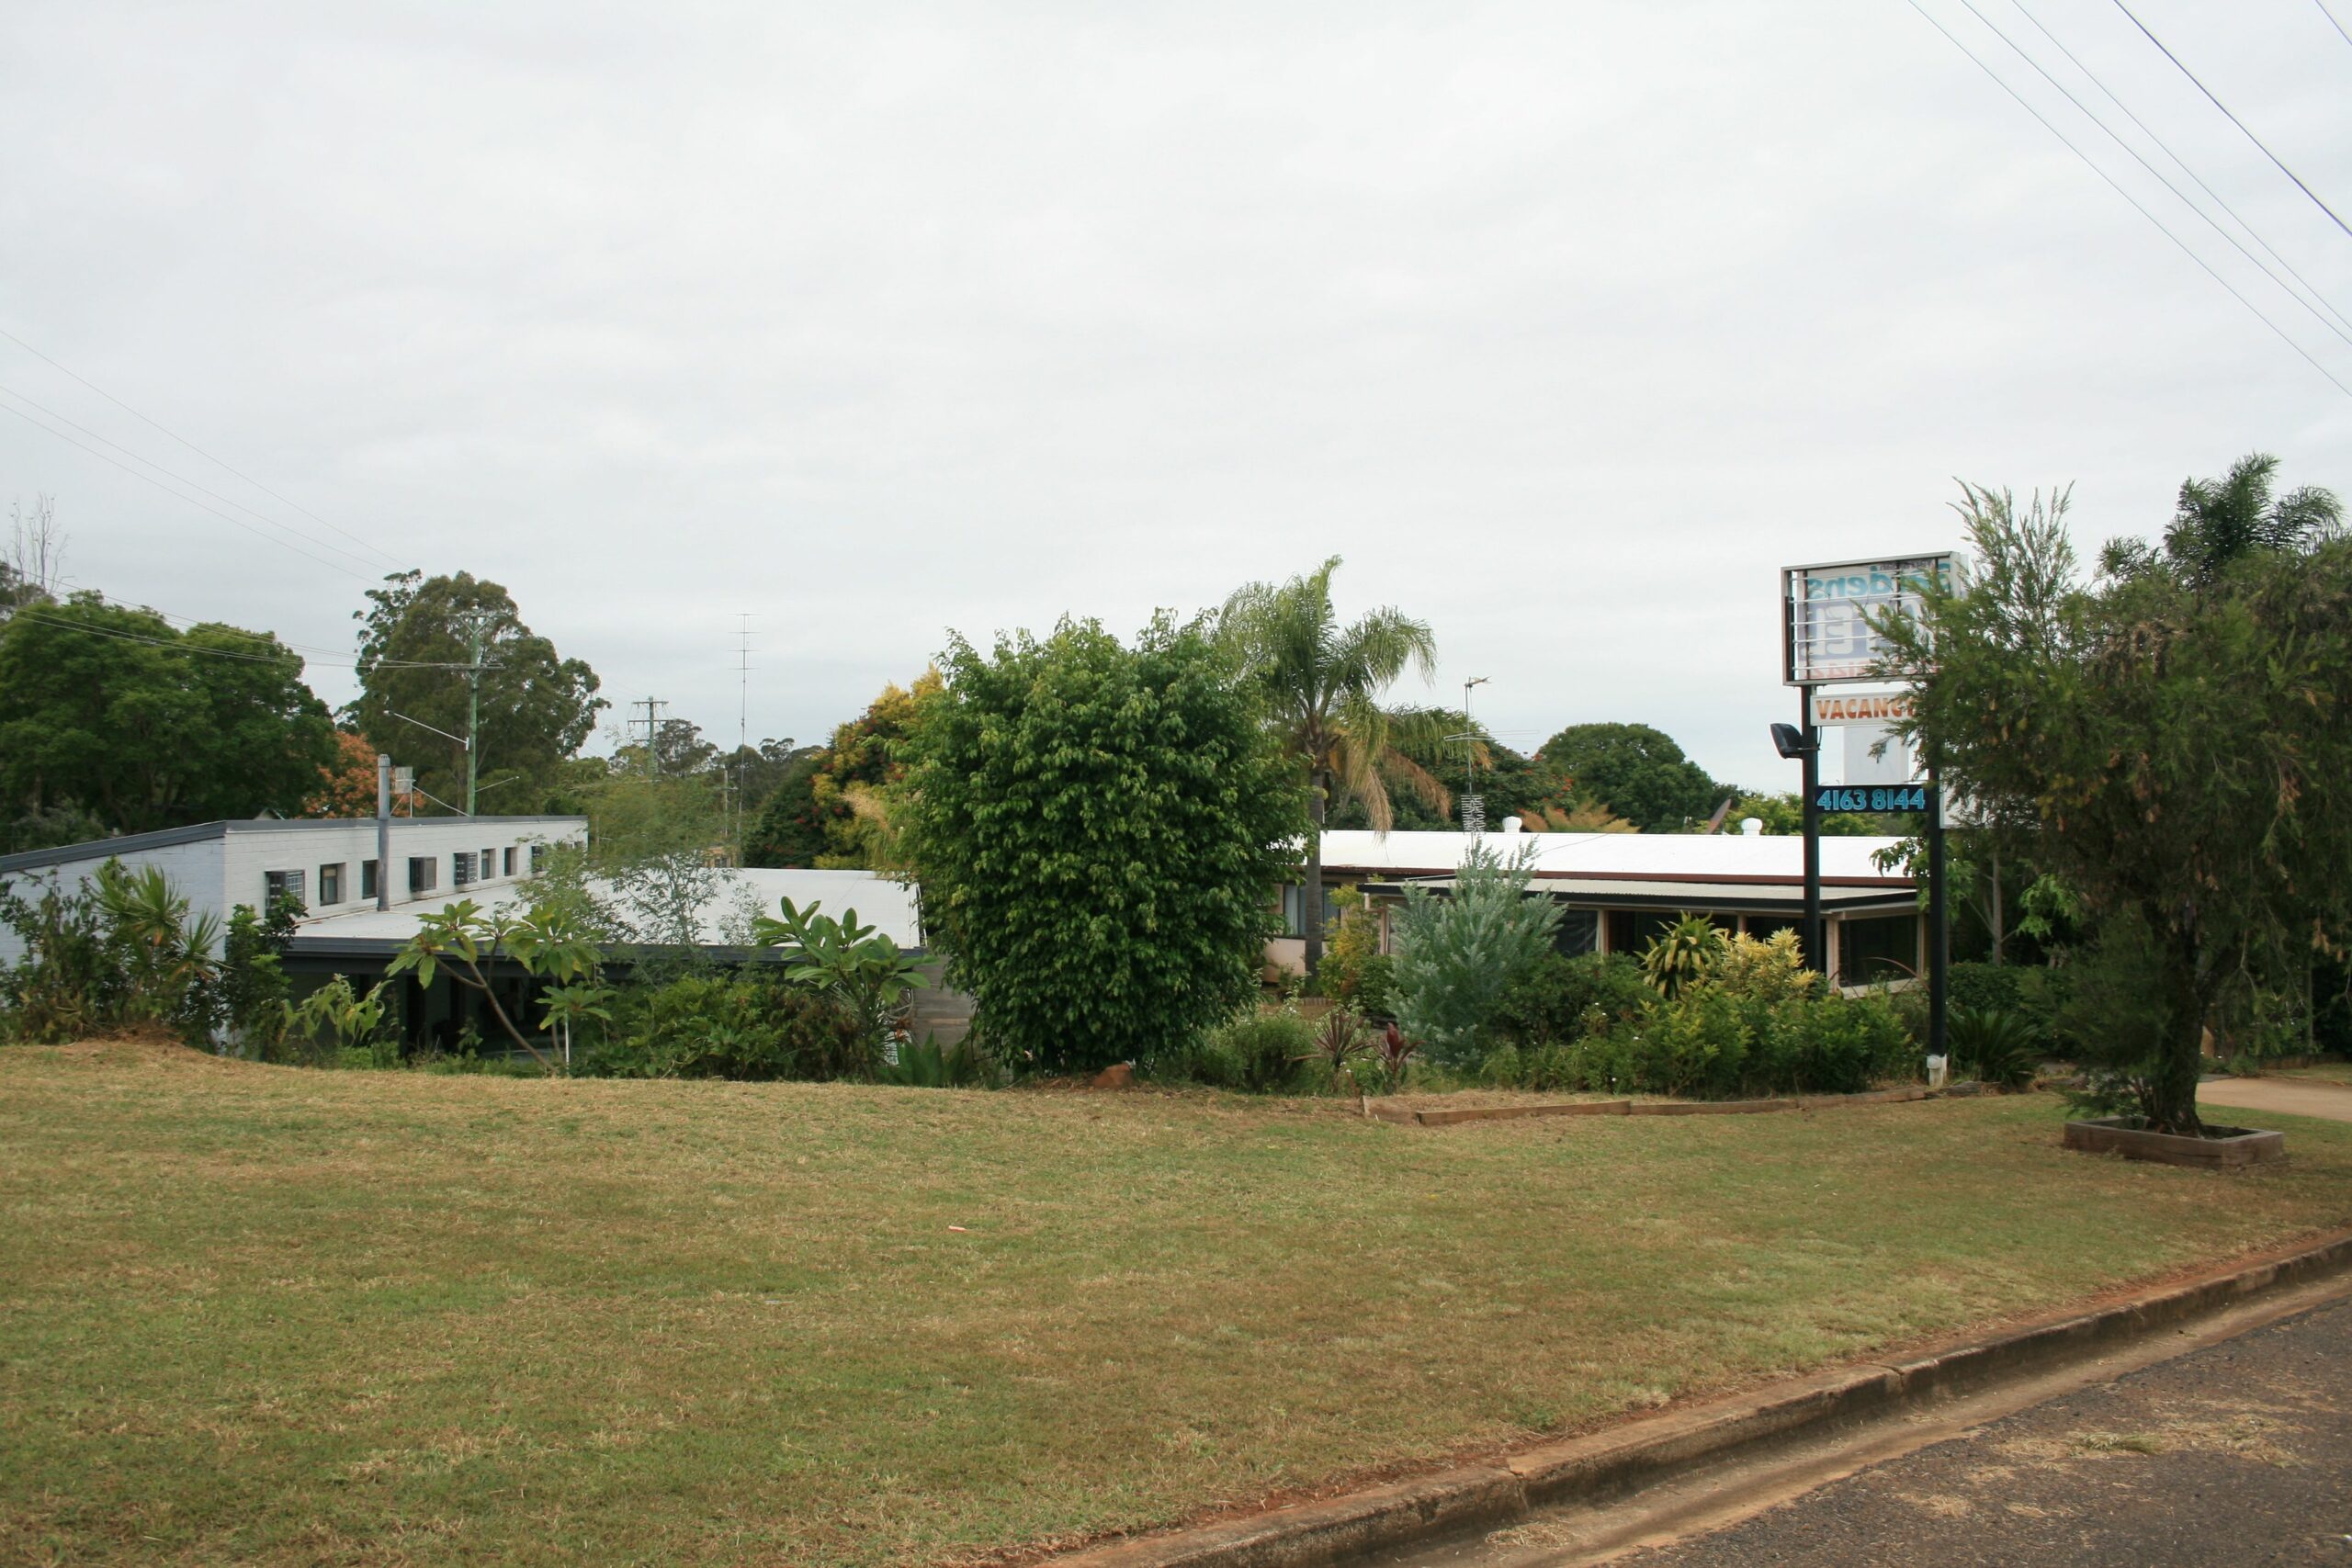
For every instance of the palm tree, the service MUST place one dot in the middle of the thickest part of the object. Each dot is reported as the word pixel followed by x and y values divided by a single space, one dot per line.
pixel 1321 684
pixel 2218 521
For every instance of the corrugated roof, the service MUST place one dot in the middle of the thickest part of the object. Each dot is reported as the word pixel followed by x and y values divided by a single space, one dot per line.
pixel 879 902
pixel 195 833
pixel 1710 857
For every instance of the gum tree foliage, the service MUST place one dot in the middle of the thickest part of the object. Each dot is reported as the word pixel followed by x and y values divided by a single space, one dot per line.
pixel 118 714
pixel 536 706
pixel 2177 734
pixel 831 806
pixel 1098 830
pixel 1320 686
pixel 1636 772
pixel 1456 956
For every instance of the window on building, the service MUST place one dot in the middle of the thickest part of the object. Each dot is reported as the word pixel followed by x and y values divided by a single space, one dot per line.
pixel 330 885
pixel 1293 909
pixel 539 859
pixel 488 864
pixel 506 861
pixel 367 879
pixel 461 869
pixel 422 873
pixel 1884 947
pixel 287 884
pixel 1630 930
pixel 1579 932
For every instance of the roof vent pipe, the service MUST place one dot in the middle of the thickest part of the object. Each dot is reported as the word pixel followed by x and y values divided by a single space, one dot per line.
pixel 1753 827
pixel 1512 824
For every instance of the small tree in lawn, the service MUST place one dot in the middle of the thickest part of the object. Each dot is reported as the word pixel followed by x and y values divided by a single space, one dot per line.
pixel 546 942
pixel 2180 730
pixel 1098 830
pixel 1455 957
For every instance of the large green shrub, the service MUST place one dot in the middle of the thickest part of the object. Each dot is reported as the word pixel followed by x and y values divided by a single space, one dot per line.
pixel 1098 830
pixel 1555 999
pixel 1987 987
pixel 1456 957
pixel 733 1026
pixel 1257 1051
pixel 1712 1043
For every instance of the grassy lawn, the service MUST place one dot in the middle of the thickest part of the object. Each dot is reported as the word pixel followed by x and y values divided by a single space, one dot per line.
pixel 285 1316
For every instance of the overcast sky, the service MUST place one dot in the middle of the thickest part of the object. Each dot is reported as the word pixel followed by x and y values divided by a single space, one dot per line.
pixel 1566 324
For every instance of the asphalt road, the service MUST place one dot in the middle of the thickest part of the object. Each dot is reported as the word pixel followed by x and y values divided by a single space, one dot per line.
pixel 2240 1453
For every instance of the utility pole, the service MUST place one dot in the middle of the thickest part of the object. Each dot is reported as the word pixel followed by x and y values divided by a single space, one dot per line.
pixel 474 628
pixel 652 706
pixel 383 832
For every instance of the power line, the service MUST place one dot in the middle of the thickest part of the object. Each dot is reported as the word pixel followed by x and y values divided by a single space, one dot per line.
pixel 2332 21
pixel 178 644
pixel 182 478
pixel 2179 162
pixel 192 447
pixel 337 659
pixel 167 490
pixel 2186 249
pixel 2217 104
pixel 2134 154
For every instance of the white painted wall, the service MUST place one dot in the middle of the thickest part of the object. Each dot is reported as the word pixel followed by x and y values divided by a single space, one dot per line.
pixel 217 874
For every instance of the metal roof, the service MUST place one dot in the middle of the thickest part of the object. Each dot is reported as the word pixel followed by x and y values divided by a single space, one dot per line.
pixel 1722 858
pixel 886 906
pixel 164 838
pixel 1727 898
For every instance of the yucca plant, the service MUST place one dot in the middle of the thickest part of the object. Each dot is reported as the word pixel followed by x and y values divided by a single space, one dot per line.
pixel 2000 1048
pixel 1339 1039
pixel 1681 953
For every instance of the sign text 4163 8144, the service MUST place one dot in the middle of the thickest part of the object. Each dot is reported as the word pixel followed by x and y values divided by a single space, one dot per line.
pixel 1877 798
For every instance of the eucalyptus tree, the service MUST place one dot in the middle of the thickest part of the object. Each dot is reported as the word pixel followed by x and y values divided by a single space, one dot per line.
pixel 2175 733
pixel 1320 686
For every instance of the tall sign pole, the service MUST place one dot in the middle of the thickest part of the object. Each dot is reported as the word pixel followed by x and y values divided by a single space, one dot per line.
pixel 1817 950
pixel 1939 923
pixel 1830 617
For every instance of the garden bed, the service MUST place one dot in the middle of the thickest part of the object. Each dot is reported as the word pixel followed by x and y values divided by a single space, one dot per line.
pixel 2220 1148
pixel 282 1317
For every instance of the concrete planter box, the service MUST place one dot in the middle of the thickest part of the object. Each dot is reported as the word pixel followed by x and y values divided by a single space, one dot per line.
pixel 2225 1148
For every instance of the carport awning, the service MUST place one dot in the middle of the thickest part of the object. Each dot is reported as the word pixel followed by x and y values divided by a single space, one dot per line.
pixel 1727 898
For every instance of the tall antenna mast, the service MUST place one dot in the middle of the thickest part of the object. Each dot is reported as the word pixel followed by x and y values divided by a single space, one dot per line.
pixel 742 724
pixel 1474 806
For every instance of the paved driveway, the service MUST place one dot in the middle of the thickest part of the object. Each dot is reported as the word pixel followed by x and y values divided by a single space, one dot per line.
pixel 2237 1454
pixel 2329 1101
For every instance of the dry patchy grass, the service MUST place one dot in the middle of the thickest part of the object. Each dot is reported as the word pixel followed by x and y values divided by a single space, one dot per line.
pixel 285 1316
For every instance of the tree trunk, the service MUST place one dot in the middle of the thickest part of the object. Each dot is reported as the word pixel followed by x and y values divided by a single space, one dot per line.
pixel 2173 1085
pixel 490 995
pixel 1999 935
pixel 1310 893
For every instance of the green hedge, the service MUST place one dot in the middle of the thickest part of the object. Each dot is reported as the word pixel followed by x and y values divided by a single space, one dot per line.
pixel 1710 1044
pixel 732 1026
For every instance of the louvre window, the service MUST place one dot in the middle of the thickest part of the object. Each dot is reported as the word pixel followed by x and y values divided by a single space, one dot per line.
pixel 289 883
pixel 423 874
pixel 461 868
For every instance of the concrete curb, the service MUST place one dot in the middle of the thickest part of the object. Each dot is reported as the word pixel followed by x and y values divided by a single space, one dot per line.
pixel 1448 1116
pixel 1621 1459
